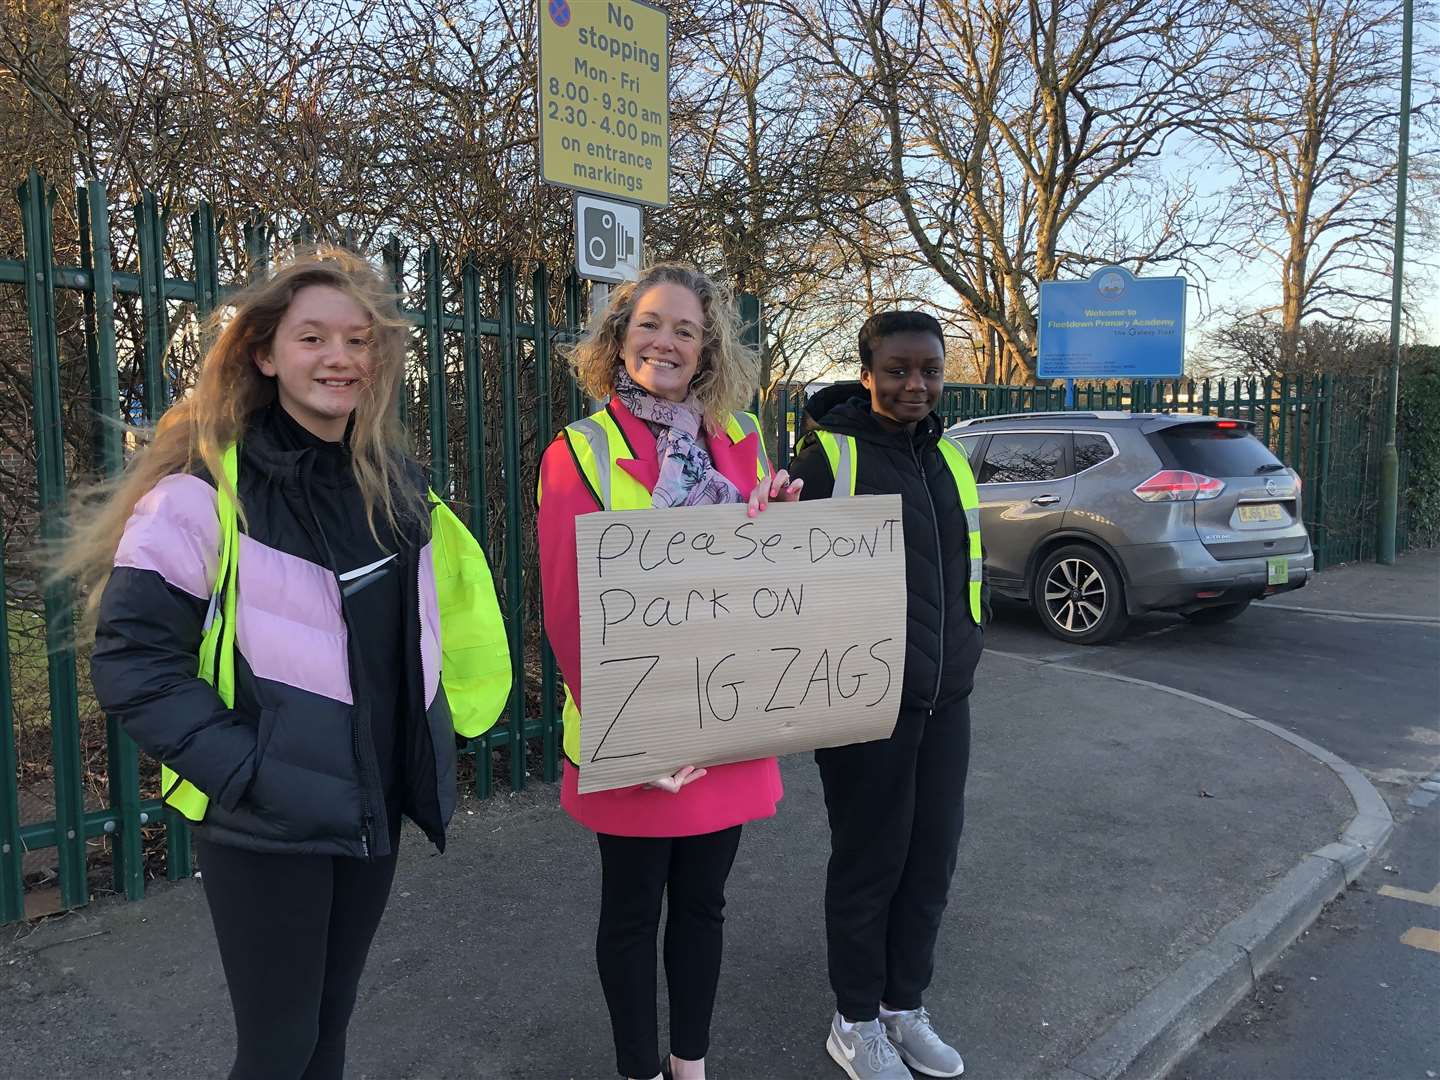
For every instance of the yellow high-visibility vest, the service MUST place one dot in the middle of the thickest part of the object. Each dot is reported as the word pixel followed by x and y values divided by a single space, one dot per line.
pixel 841 451
pixel 598 443
pixel 474 648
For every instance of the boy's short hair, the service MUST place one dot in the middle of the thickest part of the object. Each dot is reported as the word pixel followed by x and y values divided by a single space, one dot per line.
pixel 885 323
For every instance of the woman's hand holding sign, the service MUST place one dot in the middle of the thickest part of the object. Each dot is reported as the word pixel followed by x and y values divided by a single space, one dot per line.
pixel 673 783
pixel 779 487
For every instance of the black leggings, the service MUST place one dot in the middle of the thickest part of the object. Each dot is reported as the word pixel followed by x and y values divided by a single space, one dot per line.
pixel 637 871
pixel 294 932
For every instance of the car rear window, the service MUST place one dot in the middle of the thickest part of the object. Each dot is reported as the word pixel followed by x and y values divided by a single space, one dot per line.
pixel 1091 450
pixel 1217 451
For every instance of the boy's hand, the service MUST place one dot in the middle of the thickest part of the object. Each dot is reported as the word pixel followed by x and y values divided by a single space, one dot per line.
pixel 780 488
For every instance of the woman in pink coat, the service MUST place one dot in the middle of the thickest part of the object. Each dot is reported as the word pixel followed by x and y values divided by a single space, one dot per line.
pixel 668 354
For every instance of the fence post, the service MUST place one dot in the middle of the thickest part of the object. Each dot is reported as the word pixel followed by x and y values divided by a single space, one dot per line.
pixel 35 204
pixel 540 320
pixel 1282 419
pixel 514 596
pixel 207 260
pixel 257 249
pixel 749 305
pixel 572 327
pixel 474 401
pixel 435 376
pixel 150 228
pixel 123 769
pixel 151 231
pixel 1322 482
pixel 392 259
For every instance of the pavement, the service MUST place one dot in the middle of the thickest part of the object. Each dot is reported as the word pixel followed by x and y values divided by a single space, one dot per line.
pixel 1409 590
pixel 1135 857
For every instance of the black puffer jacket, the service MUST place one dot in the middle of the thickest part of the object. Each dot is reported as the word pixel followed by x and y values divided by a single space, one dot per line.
pixel 942 644
pixel 331 736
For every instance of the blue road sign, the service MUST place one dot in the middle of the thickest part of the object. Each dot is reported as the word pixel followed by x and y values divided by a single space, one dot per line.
pixel 1112 326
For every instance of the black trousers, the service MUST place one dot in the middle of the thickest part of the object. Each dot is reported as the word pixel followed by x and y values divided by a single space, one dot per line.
pixel 636 872
pixel 294 932
pixel 896 812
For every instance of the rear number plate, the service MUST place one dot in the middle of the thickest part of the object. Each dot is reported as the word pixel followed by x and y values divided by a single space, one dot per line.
pixel 1262 512
pixel 1277 571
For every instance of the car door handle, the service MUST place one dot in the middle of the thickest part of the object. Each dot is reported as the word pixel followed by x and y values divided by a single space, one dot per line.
pixel 1045 500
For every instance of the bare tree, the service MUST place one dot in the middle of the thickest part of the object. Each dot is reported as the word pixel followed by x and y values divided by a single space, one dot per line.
pixel 1016 134
pixel 760 177
pixel 1259 346
pixel 1306 112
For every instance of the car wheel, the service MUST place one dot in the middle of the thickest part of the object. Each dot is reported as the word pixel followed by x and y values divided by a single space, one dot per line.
pixel 1079 596
pixel 1219 613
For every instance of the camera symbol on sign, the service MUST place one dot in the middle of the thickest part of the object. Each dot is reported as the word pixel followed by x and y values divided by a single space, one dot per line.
pixel 607 240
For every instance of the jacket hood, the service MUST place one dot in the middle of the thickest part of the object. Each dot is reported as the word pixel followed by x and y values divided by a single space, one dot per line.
pixel 844 408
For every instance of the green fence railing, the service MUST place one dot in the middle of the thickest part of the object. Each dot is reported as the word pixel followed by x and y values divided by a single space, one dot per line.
pixel 1324 427
pixel 483 399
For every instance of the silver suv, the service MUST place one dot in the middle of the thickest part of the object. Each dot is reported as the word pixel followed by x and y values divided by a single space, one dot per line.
pixel 1097 516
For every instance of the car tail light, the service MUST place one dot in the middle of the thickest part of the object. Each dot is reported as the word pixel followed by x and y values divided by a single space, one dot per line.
pixel 1226 425
pixel 1177 485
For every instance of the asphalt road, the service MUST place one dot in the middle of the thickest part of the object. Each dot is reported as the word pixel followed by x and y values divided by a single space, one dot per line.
pixel 1358 995
pixel 1368 691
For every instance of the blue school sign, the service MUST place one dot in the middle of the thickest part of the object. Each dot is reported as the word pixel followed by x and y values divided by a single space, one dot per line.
pixel 1112 326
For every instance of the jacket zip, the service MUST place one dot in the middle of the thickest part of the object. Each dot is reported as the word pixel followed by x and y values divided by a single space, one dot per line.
pixel 939 569
pixel 366 817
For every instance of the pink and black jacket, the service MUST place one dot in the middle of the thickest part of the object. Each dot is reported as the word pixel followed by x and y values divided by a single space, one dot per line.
pixel 327 743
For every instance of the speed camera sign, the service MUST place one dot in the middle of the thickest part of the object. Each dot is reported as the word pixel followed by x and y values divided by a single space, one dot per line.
pixel 608 238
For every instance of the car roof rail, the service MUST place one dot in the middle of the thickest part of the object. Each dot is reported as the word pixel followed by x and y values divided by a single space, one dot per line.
pixel 1065 414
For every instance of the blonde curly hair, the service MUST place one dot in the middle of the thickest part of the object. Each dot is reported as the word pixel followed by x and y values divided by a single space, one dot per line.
pixel 729 370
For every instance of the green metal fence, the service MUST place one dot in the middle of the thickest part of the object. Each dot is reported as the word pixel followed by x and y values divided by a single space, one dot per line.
pixel 483 398
pixel 1325 428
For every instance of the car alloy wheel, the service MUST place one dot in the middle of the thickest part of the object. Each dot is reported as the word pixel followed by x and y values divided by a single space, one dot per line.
pixel 1075 596
pixel 1079 595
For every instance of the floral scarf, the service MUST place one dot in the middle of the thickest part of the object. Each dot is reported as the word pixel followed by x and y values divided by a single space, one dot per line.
pixel 687 474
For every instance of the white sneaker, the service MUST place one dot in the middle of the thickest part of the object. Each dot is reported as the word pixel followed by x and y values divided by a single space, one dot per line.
pixel 864 1052
pixel 915 1040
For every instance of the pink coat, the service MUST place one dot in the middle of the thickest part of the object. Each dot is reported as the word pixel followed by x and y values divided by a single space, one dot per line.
pixel 728 794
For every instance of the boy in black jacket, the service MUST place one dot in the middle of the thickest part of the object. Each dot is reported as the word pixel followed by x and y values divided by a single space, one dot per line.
pixel 896 807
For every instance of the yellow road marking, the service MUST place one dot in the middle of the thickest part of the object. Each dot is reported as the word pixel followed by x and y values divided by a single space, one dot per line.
pixel 1418 938
pixel 1429 899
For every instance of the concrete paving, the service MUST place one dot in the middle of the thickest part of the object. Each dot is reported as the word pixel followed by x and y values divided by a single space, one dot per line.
pixel 1114 831
pixel 1409 590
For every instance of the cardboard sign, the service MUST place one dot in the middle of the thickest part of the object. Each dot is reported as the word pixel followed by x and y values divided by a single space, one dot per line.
pixel 707 636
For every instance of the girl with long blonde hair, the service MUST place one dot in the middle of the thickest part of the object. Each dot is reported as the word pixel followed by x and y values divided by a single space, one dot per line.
pixel 295 744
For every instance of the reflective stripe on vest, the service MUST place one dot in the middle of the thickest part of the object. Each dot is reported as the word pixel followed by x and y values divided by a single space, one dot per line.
pixel 217 643
pixel 750 425
pixel 842 450
pixel 598 443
